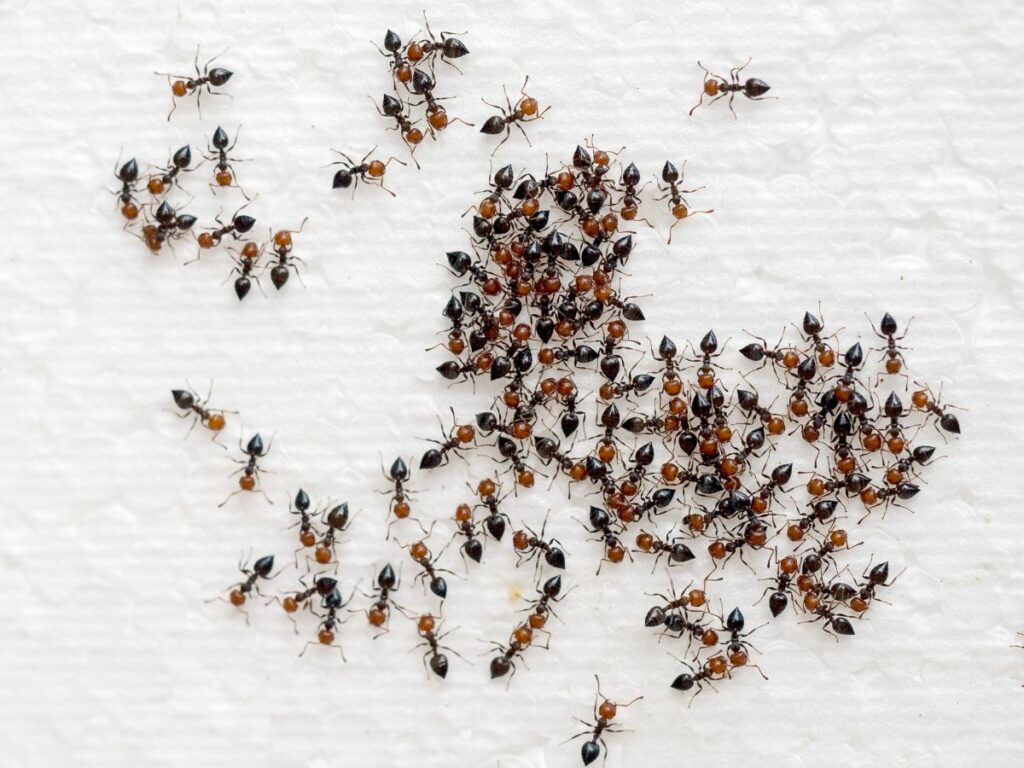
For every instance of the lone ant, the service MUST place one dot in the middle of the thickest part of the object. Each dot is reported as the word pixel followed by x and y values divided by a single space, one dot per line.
pixel 260 570
pixel 250 472
pixel 183 85
pixel 397 475
pixel 427 627
pixel 925 401
pixel 736 649
pixel 717 87
pixel 677 203
pixel 307 532
pixel 525 111
pixel 189 401
pixel 529 546
pixel 180 161
pixel 353 173
pixel 128 174
pixel 886 331
pixel 604 712
pixel 220 146
pixel 285 258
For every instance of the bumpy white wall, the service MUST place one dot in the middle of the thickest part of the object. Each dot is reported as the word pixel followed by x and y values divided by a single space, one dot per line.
pixel 887 176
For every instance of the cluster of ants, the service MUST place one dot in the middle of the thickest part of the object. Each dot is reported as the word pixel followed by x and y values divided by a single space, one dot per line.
pixel 541 314
pixel 150 215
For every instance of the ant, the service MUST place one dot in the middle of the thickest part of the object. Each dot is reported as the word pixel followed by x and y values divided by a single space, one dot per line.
pixel 630 203
pixel 886 331
pixel 186 84
pixel 604 712
pixel 239 225
pixel 748 402
pixel 189 402
pixel 472 547
pixel 437 116
pixel 401 70
pixel 754 535
pixel 676 550
pixel 421 554
pixel 170 225
pixel 925 401
pixel 180 161
pixel 715 668
pixel 449 48
pixel 529 546
pixel 326 631
pixel 353 173
pixel 677 203
pixel 525 110
pixel 260 570
pixel 759 352
pixel 128 174
pixel 660 615
pixel 783 586
pixel 285 258
pixel 717 87
pixel 737 646
pixel 251 471
pixel 709 351
pixel 307 533
pixel 398 475
pixel 495 521
pixel 218 150
pixel 504 662
pixel 245 262
pixel 323 586
pixel 508 450
pixel 458 438
pixel 874 578
pixel 549 593
pixel 337 520
pixel 812 328
pixel 600 523
pixel 379 612
pixel 835 624
pixel 411 135
pixel 427 627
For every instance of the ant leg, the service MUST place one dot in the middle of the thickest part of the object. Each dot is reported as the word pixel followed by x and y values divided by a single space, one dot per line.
pixel 517 125
pixel 735 72
pixel 508 132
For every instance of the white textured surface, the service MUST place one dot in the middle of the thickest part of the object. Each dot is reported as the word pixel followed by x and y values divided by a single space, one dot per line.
pixel 887 176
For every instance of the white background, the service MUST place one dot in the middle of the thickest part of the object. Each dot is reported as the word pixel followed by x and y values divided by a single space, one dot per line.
pixel 886 177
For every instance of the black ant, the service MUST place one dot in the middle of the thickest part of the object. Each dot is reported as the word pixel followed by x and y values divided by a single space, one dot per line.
pixel 326 631
pixel 736 650
pixel 458 438
pixel 437 116
pixel 549 593
pixel 717 87
pixel 245 262
pixel 473 546
pixel 630 203
pixel 378 613
pixel 398 475
pixel 353 173
pixel 421 554
pixel 812 328
pixel 925 401
pixel 886 331
pixel 220 146
pixel 875 577
pixel 449 48
pixel 285 258
pixel 239 225
pixel 307 532
pixel 834 623
pixel 496 520
pixel 722 550
pixel 678 553
pixel 604 712
pixel 251 471
pixel 336 519
pixel 715 668
pixel 260 570
pixel 411 135
pixel 783 587
pixel 748 402
pixel 759 352
pixel 677 203
pixel 525 110
pixel 427 626
pixel 600 523
pixel 509 451
pixel 186 84
pixel 170 225
pixel 323 586
pixel 128 174
pixel 529 546
pixel 401 70
pixel 180 161
pixel 189 401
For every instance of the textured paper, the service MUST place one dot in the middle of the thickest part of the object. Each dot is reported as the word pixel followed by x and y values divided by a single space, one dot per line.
pixel 886 177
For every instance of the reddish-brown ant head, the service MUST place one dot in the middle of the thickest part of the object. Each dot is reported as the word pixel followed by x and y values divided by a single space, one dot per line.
pixel 425 624
pixel 179 88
